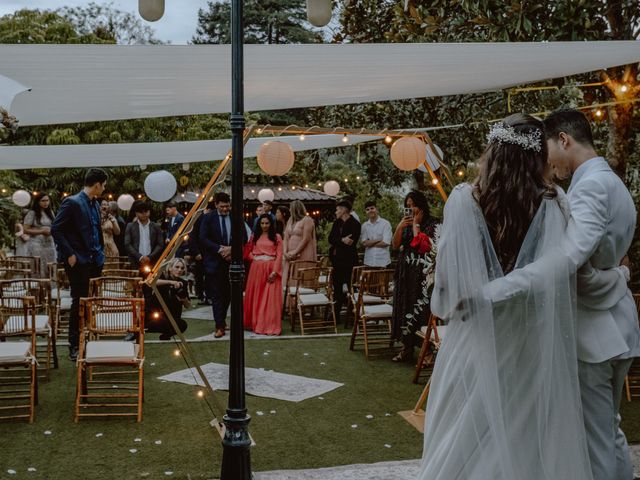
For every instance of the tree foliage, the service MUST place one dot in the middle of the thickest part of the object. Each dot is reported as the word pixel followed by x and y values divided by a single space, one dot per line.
pixel 36 26
pixel 265 22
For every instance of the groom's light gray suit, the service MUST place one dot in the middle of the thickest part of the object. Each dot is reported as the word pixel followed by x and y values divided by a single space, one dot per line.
pixel 599 233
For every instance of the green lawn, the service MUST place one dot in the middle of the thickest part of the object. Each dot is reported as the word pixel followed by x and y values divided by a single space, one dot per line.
pixel 312 433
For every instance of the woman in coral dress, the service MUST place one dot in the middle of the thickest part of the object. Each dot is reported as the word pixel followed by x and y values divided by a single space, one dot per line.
pixel 263 293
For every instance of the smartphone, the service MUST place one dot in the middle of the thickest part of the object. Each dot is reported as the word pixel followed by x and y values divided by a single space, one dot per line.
pixel 408 212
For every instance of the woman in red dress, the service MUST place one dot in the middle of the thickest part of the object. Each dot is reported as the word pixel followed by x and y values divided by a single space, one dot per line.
pixel 263 293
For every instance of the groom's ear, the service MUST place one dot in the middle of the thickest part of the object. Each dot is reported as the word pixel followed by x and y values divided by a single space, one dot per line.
pixel 564 140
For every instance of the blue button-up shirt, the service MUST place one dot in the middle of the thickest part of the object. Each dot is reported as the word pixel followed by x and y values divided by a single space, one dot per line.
pixel 97 252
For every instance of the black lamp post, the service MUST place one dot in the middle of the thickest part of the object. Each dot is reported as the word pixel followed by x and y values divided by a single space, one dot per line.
pixel 236 462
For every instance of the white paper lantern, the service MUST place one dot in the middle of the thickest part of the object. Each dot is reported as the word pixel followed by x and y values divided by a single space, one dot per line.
pixel 407 153
pixel 331 188
pixel 275 158
pixel 319 12
pixel 151 10
pixel 160 186
pixel 125 201
pixel 266 194
pixel 21 198
pixel 432 160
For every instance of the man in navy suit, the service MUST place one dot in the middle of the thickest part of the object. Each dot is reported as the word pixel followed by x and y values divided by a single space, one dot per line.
pixel 172 222
pixel 77 234
pixel 215 240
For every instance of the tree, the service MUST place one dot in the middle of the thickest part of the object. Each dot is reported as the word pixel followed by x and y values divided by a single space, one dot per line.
pixel 35 26
pixel 109 23
pixel 265 22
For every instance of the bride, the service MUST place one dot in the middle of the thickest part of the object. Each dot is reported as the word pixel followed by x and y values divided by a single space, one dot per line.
pixel 504 402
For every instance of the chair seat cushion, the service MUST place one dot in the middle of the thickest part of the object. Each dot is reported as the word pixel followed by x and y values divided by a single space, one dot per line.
pixel 65 303
pixel 314 299
pixel 63 293
pixel 111 351
pixel 377 311
pixel 368 299
pixel 16 323
pixel 301 290
pixel 14 352
pixel 322 279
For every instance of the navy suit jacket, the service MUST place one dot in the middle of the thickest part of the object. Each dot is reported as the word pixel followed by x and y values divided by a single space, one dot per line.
pixel 171 231
pixel 72 230
pixel 210 241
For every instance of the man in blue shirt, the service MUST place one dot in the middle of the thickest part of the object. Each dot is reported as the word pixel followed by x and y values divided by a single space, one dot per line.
pixel 77 233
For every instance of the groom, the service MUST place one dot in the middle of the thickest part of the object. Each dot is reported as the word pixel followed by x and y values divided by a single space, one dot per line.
pixel 599 233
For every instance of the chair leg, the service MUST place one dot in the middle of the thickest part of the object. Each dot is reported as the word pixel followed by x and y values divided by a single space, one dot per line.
pixel 354 334
pixel 301 317
pixel 366 339
pixel 140 393
pixel 80 389
pixel 627 388
pixel 421 357
pixel 333 316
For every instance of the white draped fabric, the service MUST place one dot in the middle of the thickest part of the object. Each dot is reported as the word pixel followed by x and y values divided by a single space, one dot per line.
pixel 119 154
pixel 504 402
pixel 82 83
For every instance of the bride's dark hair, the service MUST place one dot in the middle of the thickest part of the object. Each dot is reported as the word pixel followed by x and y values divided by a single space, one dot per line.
pixel 509 187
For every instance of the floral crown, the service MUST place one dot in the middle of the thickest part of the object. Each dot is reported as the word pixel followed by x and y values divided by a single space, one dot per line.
pixel 502 133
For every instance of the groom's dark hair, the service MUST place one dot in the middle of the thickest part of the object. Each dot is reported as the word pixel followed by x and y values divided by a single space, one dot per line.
pixel 570 121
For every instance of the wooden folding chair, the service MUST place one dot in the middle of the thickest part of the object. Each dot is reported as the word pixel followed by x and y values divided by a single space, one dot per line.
pixel 110 378
pixel 315 309
pixel 291 282
pixel 356 279
pixel 431 335
pixel 120 272
pixel 9 273
pixel 45 327
pixel 107 286
pixel 18 366
pixel 372 325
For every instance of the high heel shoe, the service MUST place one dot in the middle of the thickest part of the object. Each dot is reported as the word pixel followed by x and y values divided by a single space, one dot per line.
pixel 404 355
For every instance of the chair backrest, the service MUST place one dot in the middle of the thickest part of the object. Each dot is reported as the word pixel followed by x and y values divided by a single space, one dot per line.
pixel 324 261
pixel 23 308
pixel 120 272
pixel 7 273
pixel 118 287
pixel 295 266
pixel 310 277
pixel 38 289
pixel 113 315
pixel 376 282
pixel 32 262
pixel 111 264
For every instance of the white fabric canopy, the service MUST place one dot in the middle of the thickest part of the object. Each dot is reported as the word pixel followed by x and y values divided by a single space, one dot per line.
pixel 80 83
pixel 8 90
pixel 119 154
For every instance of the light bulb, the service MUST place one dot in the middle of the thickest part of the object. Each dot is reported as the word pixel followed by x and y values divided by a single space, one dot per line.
pixel 259 131
pixel 176 352
pixel 358 178
pixel 598 113
pixel 302 137
pixel 624 88
pixel 186 237
pixel 35 193
pixel 460 173
pixel 306 185
pixel 345 139
pixel 435 181
pixel 293 188
pixel 200 393
pixel 4 190
pixel 146 269
pixel 388 139
pixel 156 315
pixel 346 180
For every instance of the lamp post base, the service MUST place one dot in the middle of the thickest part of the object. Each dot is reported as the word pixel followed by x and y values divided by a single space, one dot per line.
pixel 236 445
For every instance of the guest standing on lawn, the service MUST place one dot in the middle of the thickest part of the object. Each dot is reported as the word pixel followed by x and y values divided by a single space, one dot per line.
pixel 37 225
pixel 263 294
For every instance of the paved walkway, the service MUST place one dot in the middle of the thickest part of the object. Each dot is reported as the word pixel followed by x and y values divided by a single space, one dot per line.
pixel 403 470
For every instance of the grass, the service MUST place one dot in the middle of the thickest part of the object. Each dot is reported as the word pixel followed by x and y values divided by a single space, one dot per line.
pixel 310 434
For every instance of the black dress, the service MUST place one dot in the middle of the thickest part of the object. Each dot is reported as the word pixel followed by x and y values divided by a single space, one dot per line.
pixel 407 290
pixel 155 319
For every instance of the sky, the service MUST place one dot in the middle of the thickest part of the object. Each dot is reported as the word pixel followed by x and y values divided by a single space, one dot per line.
pixel 177 25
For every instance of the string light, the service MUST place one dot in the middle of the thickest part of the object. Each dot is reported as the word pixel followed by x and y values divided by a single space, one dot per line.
pixel 279 189
pixel 4 190
pixel 156 315
pixel 139 196
pixel 186 237
pixel 345 138
pixel 253 191
pixel 65 194
pixel 110 196
pixel 35 193
pixel 293 187
pixel 319 184
pixel 146 269
pixel 302 137
pixel 200 393
pixel 624 88
pixel 599 113
pixel 358 177
pixel 259 131
pixel 388 139
pixel 435 181
pixel 346 180
pixel 460 173
pixel 182 195
pixel 176 352
pixel 306 185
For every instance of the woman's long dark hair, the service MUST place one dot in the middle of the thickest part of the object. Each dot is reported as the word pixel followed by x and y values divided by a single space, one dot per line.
pixel 286 215
pixel 38 210
pixel 257 230
pixel 420 201
pixel 509 188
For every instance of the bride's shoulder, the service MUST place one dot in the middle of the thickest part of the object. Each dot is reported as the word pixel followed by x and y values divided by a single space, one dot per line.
pixel 557 195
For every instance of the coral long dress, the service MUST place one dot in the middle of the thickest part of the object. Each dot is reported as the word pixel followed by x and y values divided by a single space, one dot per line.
pixel 263 300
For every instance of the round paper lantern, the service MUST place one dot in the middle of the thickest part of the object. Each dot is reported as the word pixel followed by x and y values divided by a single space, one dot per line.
pixel 331 188
pixel 275 158
pixel 319 12
pixel 432 160
pixel 125 201
pixel 21 198
pixel 266 194
pixel 408 153
pixel 160 186
pixel 151 10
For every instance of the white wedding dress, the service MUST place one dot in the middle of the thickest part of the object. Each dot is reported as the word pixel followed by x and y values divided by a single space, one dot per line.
pixel 504 402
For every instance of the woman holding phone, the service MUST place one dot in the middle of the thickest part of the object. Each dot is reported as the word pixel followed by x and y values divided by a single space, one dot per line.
pixel 408 275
